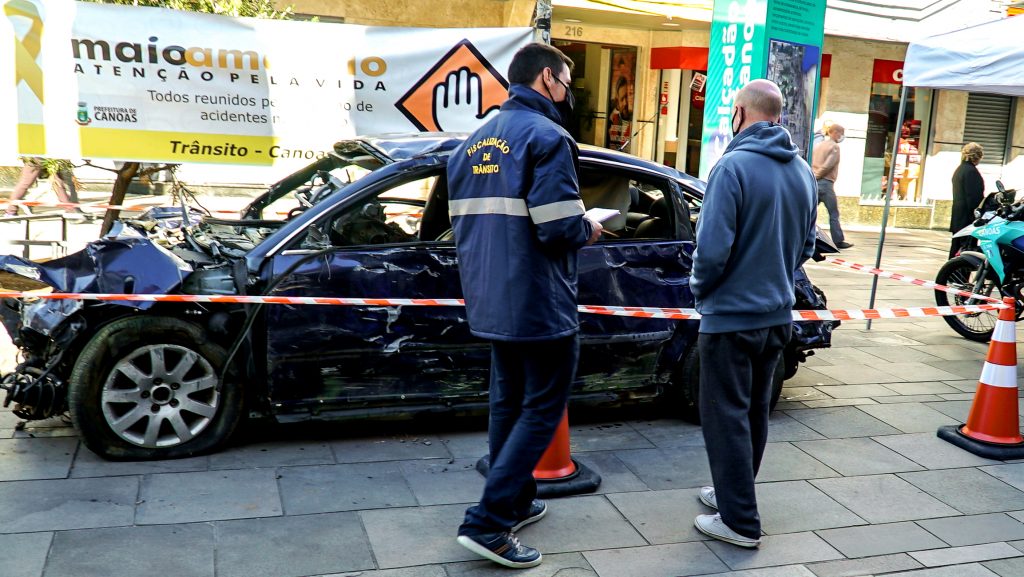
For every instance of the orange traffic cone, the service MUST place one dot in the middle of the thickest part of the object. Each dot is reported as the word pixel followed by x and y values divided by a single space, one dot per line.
pixel 557 473
pixel 993 430
pixel 556 463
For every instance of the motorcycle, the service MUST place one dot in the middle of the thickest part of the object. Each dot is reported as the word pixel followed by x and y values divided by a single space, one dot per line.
pixel 993 262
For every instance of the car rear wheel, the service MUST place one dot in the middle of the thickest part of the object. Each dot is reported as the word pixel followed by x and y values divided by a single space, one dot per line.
pixel 149 388
pixel 686 381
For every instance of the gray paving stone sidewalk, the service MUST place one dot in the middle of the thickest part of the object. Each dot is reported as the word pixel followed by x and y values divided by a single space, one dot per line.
pixel 854 481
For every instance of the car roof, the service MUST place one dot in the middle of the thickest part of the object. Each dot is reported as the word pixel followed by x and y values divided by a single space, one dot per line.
pixel 404 146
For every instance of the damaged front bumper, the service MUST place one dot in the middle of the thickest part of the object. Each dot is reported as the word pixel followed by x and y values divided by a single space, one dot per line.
pixel 44 330
pixel 807 336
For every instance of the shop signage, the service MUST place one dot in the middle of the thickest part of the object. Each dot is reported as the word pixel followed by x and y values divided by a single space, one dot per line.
pixel 776 39
pixel 697 99
pixel 160 85
pixel 888 72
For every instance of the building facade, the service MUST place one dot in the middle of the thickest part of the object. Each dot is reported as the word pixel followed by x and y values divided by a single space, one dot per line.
pixel 861 72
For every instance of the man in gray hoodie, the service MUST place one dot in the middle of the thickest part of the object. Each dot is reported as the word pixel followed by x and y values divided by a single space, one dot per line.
pixel 756 227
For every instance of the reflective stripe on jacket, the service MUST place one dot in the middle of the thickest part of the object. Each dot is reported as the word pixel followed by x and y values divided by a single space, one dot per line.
pixel 518 221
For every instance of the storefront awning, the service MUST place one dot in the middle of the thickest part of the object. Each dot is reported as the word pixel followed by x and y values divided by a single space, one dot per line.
pixel 679 58
pixel 698 10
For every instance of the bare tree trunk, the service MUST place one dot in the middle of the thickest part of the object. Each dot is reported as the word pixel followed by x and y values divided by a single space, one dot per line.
pixel 124 178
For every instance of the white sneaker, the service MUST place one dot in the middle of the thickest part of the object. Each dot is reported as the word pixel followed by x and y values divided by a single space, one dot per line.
pixel 707 496
pixel 714 527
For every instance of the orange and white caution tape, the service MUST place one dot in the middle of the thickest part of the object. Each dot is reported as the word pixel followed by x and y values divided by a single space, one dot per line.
pixel 98 206
pixel 636 312
pixel 102 206
pixel 893 313
pixel 641 312
pixel 803 315
pixel 914 281
pixel 238 299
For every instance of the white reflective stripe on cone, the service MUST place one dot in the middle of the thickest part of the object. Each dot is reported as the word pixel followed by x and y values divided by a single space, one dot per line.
pixel 1004 332
pixel 999 376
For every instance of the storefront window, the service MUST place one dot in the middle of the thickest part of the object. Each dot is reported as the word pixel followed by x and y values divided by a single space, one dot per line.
pixel 695 124
pixel 580 126
pixel 883 112
pixel 604 87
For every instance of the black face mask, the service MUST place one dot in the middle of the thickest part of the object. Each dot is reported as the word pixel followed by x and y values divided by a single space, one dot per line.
pixel 566 105
pixel 733 126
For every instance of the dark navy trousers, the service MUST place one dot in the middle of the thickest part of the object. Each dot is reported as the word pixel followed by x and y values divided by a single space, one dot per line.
pixel 736 372
pixel 827 194
pixel 530 383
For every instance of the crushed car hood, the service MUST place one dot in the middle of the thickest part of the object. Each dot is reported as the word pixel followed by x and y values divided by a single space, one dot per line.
pixel 131 265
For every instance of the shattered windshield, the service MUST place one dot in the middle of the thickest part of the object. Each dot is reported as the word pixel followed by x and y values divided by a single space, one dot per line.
pixel 323 184
pixel 307 187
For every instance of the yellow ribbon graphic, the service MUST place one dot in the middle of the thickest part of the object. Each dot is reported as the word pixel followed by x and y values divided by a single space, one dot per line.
pixel 26 50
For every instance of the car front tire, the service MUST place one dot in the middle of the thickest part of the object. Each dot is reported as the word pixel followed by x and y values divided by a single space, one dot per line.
pixel 148 388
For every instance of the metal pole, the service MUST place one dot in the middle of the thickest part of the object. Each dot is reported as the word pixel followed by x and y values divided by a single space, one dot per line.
pixel 542 22
pixel 888 195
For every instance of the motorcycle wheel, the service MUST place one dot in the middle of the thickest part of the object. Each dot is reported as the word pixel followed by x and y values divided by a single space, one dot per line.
pixel 960 273
pixel 147 387
pixel 686 381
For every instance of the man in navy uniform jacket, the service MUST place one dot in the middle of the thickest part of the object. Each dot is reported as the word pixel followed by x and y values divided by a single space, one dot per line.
pixel 519 222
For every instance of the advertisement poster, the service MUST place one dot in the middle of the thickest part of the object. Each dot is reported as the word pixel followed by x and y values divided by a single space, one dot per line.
pixel 796 31
pixel 794 67
pixel 159 85
pixel 622 90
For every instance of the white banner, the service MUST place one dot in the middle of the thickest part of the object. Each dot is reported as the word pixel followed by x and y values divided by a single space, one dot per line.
pixel 159 85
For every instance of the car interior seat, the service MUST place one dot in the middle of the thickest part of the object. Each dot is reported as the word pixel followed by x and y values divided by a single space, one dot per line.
pixel 436 220
pixel 367 226
pixel 658 226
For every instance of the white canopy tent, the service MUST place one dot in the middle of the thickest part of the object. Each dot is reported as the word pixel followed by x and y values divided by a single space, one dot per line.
pixel 984 58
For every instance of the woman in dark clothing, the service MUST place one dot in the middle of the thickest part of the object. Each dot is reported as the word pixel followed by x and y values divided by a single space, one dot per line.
pixel 968 190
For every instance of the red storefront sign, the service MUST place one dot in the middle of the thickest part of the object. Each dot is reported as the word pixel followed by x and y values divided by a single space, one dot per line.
pixel 888 72
pixel 696 99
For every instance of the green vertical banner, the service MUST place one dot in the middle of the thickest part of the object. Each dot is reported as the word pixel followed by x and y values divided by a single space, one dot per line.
pixel 735 57
pixel 775 39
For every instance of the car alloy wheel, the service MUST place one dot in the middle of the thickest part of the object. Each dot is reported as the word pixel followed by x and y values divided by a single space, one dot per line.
pixel 160 395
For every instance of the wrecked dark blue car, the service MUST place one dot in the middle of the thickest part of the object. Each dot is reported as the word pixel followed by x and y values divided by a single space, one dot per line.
pixel 162 380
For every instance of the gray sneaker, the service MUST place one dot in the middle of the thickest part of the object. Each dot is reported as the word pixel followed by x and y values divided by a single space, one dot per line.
pixel 502 548
pixel 537 511
pixel 707 496
pixel 714 527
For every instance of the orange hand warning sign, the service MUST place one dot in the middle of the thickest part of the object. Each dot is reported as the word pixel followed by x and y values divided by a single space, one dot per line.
pixel 461 88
